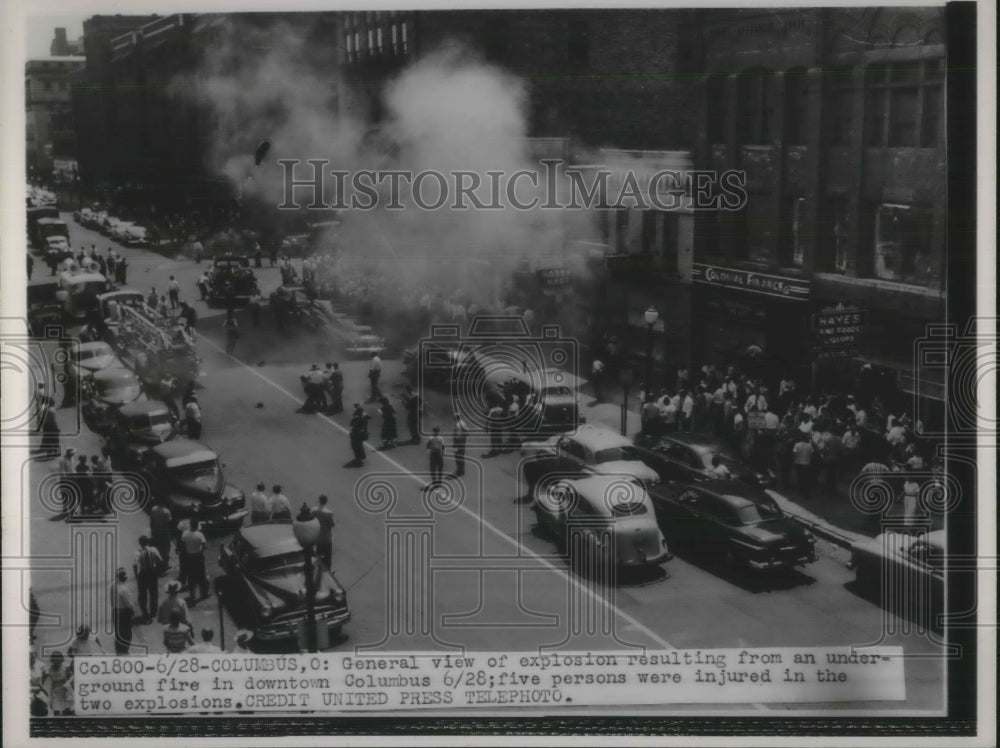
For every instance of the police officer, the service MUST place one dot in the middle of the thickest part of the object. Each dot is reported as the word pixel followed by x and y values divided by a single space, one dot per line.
pixel 411 401
pixel 335 386
pixel 314 384
pixel 359 435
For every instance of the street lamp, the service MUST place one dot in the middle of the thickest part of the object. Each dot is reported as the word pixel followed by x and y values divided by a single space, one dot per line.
pixel 306 528
pixel 652 317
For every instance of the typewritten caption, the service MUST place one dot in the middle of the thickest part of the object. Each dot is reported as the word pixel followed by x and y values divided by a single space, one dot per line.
pixel 336 682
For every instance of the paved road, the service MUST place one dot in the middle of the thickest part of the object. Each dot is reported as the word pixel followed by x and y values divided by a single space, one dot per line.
pixel 496 584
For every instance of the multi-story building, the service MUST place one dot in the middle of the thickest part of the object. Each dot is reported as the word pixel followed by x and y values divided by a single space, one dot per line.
pixel 61 46
pixel 50 136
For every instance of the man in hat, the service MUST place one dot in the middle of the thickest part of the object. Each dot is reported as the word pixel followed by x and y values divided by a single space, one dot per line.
pixel 161 526
pixel 359 434
pixel 173 601
pixel 122 611
pixel 146 567
pixel 259 508
pixel 335 386
pixel 278 505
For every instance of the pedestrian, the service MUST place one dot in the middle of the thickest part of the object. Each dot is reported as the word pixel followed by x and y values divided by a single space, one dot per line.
pixel 314 384
pixel 650 418
pixel 57 682
pixel 161 527
pixel 198 250
pixel 259 509
pixel 359 435
pixel 686 410
pixel 153 300
pixel 460 438
pixel 123 606
pixel 232 328
pixel 435 445
pixel 374 373
pixel 324 545
pixel 121 271
pixel 597 374
pixel 206 645
pixel 83 645
pixel 146 567
pixel 194 544
pixel 255 305
pixel 719 469
pixel 278 505
pixel 411 401
pixel 831 453
pixel 31 265
pixel 177 634
pixel 192 418
pixel 802 454
pixel 189 317
pixel 258 257
pixel 335 386
pixel 202 284
pixel 272 257
pixel 173 602
pixel 174 292
pixel 389 432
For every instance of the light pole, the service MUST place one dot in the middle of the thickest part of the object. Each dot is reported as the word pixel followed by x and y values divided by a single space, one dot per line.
pixel 651 316
pixel 306 528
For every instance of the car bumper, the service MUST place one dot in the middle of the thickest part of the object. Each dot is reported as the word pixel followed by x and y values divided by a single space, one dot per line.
pixel 785 562
pixel 289 630
pixel 225 520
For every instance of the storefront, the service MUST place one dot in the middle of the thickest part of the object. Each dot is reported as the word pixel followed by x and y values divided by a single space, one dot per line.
pixel 758 322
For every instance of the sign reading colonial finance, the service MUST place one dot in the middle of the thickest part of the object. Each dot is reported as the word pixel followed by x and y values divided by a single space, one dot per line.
pixel 784 287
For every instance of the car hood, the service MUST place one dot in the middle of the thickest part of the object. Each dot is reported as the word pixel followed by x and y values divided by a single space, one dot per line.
pixel 154 435
pixel 98 362
pixel 774 531
pixel 119 396
pixel 628 467
pixel 285 591
pixel 200 487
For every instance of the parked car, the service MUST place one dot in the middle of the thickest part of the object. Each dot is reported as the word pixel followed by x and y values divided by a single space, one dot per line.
pixel 363 345
pixel 57 249
pixel 734 522
pixel 86 358
pixel 45 307
pixel 904 573
pixel 264 578
pixel 119 231
pixel 137 426
pixel 187 476
pixel 688 458
pixel 589 450
pixel 135 236
pixel 231 273
pixel 103 392
pixel 582 512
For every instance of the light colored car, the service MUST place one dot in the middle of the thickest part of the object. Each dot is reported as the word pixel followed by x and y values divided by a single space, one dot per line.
pixel 589 450
pixel 119 230
pixel 57 247
pixel 86 358
pixel 135 236
pixel 364 345
pixel 605 518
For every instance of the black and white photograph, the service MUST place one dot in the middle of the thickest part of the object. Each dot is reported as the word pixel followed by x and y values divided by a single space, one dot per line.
pixel 488 373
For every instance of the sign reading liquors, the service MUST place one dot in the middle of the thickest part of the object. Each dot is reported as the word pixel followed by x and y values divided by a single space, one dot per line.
pixel 782 286
pixel 554 277
pixel 838 329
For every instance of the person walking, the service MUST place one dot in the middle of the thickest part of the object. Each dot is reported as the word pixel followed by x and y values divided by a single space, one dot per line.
pixel 192 418
pixel 460 438
pixel 435 445
pixel 597 375
pixel 374 374
pixel 177 635
pixel 389 431
pixel 153 300
pixel 335 386
pixel 259 509
pixel 161 527
pixel 174 292
pixel 206 645
pixel 324 544
pixel 123 606
pixel 358 435
pixel 802 455
pixel 256 300
pixel 232 328
pixel 146 567
pixel 202 283
pixel 278 505
pixel 189 316
pixel 173 602
pixel 411 401
pixel 194 544
pixel 314 383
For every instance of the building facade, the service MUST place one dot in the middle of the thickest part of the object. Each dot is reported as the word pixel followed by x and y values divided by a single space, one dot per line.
pixel 50 135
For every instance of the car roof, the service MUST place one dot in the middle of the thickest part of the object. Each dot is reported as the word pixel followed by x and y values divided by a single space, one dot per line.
pixel 79 278
pixel 735 493
pixel 141 407
pixel 598 437
pixel 616 487
pixel 270 539
pixel 696 441
pixel 183 451
pixel 115 374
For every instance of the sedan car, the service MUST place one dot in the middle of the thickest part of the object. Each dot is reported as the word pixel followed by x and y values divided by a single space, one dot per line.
pixel 364 345
pixel 104 391
pixel 265 575
pixel 905 573
pixel 590 450
pixel 57 249
pixel 733 522
pixel 134 235
pixel 689 458
pixel 137 426
pixel 187 476
pixel 603 515
pixel 86 358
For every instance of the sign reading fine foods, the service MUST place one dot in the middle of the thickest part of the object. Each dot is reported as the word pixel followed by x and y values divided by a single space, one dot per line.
pixel 554 277
pixel 838 329
pixel 745 280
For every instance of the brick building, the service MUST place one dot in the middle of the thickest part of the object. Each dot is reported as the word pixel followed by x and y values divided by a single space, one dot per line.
pixel 50 134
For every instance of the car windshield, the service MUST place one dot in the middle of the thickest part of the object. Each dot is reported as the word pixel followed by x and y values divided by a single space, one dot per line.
pixel 630 509
pixel 754 513
pixel 279 564
pixel 614 454
pixel 205 468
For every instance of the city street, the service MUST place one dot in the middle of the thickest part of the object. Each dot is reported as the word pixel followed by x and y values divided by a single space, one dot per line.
pixel 494 583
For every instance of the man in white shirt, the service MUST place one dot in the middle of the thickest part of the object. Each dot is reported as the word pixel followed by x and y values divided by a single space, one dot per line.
pixel 374 373
pixel 278 505
pixel 259 506
pixel 193 545
pixel 687 408
pixel 206 645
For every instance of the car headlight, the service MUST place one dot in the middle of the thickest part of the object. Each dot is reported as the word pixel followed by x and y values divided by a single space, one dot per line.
pixel 196 506
pixel 266 611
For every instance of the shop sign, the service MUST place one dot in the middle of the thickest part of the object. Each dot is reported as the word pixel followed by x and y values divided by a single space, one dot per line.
pixel 744 280
pixel 838 330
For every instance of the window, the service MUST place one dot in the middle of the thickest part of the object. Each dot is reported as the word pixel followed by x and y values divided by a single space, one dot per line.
pixel 402 36
pixel 796 106
pixel 378 39
pixel 717 100
pixel 903 243
pixel 395 39
pixel 832 254
pixel 756 107
pixel 578 45
pixel 839 84
pixel 792 251
pixel 903 105
pixel 348 47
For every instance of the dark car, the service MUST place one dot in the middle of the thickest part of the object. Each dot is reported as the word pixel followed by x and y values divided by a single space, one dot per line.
pixel 688 458
pixel 187 476
pixel 231 275
pixel 264 579
pixel 45 308
pixel 105 391
pixel 137 426
pixel 733 522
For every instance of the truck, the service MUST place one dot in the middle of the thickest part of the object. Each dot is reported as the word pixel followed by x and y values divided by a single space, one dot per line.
pixel 231 277
pixel 156 348
pixel 35 214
